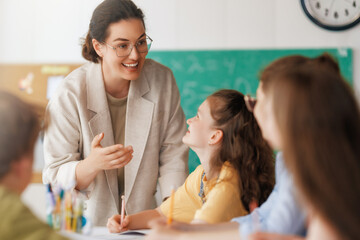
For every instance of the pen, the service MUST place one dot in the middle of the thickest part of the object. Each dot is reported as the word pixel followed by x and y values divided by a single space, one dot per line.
pixel 171 209
pixel 122 209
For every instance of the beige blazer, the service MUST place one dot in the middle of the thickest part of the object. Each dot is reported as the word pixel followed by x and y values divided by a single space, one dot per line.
pixel 155 125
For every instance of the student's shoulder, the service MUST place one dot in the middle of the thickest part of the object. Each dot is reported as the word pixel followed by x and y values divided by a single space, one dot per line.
pixel 199 170
pixel 195 176
pixel 228 173
pixel 17 220
pixel 227 168
pixel 11 207
pixel 8 199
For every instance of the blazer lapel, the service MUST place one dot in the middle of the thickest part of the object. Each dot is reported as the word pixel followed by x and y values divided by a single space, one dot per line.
pixel 138 122
pixel 101 120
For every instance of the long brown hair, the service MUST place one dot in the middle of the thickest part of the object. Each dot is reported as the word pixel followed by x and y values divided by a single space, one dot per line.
pixel 319 121
pixel 109 11
pixel 242 146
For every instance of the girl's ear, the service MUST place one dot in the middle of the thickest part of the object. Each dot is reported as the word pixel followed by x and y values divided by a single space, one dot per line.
pixel 216 137
pixel 98 47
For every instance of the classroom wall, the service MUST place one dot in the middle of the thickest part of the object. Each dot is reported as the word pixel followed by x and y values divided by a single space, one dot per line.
pixel 48 31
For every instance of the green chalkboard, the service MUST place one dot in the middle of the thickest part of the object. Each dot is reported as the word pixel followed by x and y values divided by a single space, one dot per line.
pixel 200 73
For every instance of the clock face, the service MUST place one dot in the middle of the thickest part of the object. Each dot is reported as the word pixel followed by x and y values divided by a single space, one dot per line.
pixel 333 14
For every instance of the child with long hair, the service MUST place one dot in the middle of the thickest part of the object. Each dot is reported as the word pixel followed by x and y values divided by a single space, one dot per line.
pixel 317 124
pixel 236 171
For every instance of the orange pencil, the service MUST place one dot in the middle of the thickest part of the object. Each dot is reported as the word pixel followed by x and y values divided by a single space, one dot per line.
pixel 171 209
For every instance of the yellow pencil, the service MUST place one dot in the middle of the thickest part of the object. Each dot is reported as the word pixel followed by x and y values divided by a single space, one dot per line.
pixel 75 216
pixel 171 209
pixel 74 223
pixel 68 210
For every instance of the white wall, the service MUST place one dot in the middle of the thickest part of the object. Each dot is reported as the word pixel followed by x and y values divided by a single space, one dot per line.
pixel 48 31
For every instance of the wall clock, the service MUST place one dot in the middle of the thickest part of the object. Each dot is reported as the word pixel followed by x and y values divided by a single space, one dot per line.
pixel 333 15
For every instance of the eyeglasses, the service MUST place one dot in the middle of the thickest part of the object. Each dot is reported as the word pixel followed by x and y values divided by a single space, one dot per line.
pixel 250 102
pixel 124 49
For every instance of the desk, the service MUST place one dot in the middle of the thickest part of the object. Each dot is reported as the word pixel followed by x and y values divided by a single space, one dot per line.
pixel 102 233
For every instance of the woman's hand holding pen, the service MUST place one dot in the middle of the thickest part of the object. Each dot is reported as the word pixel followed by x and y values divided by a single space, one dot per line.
pixel 105 158
pixel 134 221
pixel 115 225
pixel 101 158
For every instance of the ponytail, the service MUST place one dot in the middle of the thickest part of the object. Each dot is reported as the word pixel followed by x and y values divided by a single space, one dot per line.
pixel 88 51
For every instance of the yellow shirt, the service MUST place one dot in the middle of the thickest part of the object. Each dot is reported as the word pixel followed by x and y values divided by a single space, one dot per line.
pixel 221 196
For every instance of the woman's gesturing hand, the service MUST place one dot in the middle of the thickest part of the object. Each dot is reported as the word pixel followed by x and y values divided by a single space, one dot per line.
pixel 105 158
pixel 101 158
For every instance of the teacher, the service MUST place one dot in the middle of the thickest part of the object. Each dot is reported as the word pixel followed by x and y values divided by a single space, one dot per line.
pixel 116 122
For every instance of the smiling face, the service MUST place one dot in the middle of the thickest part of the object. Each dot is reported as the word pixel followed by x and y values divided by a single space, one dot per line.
pixel 122 33
pixel 265 117
pixel 200 129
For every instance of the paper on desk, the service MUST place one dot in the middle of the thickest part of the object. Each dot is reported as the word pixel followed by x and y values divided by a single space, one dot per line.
pixel 103 233
pixel 140 232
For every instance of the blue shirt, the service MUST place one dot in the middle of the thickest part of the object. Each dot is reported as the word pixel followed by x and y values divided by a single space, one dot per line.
pixel 280 213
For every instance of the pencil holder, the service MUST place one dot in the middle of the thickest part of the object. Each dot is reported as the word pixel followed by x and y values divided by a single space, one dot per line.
pixel 65 210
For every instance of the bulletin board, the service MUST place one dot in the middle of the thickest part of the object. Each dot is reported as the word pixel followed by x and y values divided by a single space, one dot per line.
pixel 31 83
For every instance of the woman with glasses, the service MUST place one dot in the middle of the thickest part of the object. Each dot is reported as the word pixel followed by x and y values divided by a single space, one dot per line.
pixel 116 122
